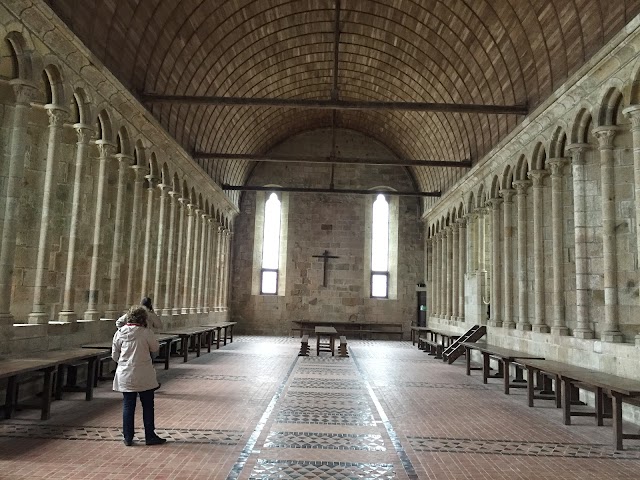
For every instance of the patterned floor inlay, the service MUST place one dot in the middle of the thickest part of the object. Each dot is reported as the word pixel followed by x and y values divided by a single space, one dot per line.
pixel 369 442
pixel 231 378
pixel 321 383
pixel 290 469
pixel 215 437
pixel 506 447
pixel 337 372
pixel 327 409
pixel 330 418
pixel 453 386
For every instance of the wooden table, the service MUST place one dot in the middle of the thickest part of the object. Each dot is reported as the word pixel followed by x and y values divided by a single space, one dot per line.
pixel 185 333
pixel 325 332
pixel 504 356
pixel 163 340
pixel 354 329
pixel 11 368
pixel 224 330
pixel 416 331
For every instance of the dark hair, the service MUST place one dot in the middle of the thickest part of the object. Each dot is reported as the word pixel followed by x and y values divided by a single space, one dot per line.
pixel 146 302
pixel 137 315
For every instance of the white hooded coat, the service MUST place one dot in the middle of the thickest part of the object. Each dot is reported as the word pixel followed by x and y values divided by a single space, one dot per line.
pixel 131 350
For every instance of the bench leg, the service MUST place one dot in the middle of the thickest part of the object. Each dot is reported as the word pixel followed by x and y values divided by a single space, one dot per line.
pixel 46 394
pixel 10 397
pixel 91 372
pixel 59 382
pixel 530 386
pixel 506 375
pixel 558 392
pixel 566 401
pixel 599 406
pixel 485 367
pixel 468 359
pixel 167 347
pixel 185 348
pixel 617 421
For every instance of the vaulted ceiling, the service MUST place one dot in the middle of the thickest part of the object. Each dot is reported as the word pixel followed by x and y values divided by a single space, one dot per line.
pixel 484 52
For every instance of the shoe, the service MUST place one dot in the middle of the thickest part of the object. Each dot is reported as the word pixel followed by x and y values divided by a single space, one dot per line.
pixel 154 389
pixel 128 443
pixel 156 441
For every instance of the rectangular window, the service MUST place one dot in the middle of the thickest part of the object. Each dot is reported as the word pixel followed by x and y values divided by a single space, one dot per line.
pixel 380 284
pixel 269 281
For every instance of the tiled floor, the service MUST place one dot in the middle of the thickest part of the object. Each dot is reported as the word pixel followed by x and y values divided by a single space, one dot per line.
pixel 255 410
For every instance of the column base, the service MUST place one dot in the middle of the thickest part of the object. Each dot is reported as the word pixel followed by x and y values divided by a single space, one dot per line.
pixel 193 310
pixel 613 337
pixel 175 311
pixel 7 319
pixel 524 327
pixel 92 315
pixel 560 331
pixel 509 325
pixel 495 323
pixel 67 317
pixel 38 318
pixel 184 311
pixel 166 311
pixel 199 310
pixel 460 319
pixel 111 314
pixel 540 328
pixel 583 334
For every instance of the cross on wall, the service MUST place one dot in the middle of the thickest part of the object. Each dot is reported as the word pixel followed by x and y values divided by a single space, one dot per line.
pixel 325 256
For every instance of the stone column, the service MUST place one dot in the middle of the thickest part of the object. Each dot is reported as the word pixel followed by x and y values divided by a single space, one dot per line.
pixel 145 289
pixel 496 278
pixel 428 255
pixel 455 270
pixel 23 92
pixel 207 266
pixel 114 309
pixel 227 271
pixel 223 260
pixel 559 325
pixel 539 325
pixel 187 258
pixel 633 113
pixel 521 187
pixel 507 210
pixel 216 286
pixel 68 314
pixel 197 221
pixel 611 329
pixel 57 117
pixel 157 289
pixel 106 152
pixel 472 242
pixel 435 269
pixel 168 292
pixel 462 265
pixel 481 247
pixel 179 281
pixel 577 150
pixel 215 226
pixel 136 213
pixel 443 276
pixel 204 220
pixel 449 287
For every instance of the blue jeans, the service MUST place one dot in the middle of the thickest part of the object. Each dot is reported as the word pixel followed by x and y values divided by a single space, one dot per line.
pixel 129 410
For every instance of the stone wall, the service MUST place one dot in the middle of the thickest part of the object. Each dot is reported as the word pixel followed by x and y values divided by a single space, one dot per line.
pixel 337 223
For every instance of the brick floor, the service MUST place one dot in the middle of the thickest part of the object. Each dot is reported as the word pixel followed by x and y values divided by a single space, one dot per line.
pixel 255 410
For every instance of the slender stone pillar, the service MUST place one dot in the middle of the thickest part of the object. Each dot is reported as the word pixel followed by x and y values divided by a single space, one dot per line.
pixel 455 261
pixel 207 266
pixel 521 187
pixel 204 220
pixel 443 276
pixel 633 113
pixel 56 118
pixel 197 221
pixel 223 262
pixel 449 287
pixel 539 325
pixel 577 150
pixel 428 271
pixel 227 276
pixel 462 265
pixel 187 258
pixel 434 272
pixel 23 92
pixel 472 242
pixel 215 226
pixel 136 214
pixel 611 329
pixel 157 289
pixel 106 152
pixel 68 313
pixel 168 292
pixel 482 239
pixel 180 254
pixel 559 325
pixel 145 284
pixel 507 210
pixel 114 309
pixel 216 288
pixel 496 277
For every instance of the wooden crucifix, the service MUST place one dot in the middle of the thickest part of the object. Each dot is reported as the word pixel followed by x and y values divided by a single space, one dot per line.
pixel 326 257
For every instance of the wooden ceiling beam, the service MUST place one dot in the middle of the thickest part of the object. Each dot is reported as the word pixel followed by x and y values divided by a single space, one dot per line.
pixel 148 98
pixel 328 160
pixel 329 190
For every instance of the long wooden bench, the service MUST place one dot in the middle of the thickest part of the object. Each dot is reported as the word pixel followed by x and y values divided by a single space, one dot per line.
pixel 434 340
pixel 342 347
pixel 197 334
pixel 620 390
pixel 304 346
pixel 416 332
pixel 361 330
pixel 224 332
pixel 164 356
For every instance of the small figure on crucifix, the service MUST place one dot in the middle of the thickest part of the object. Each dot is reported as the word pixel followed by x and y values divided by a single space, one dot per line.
pixel 326 257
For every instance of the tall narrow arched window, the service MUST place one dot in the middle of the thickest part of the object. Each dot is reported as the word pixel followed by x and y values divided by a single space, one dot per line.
pixel 380 248
pixel 271 246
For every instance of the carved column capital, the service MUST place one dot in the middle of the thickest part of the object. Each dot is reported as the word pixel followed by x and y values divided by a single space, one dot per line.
pixel 151 179
pixel 521 186
pixel 106 149
pixel 57 115
pixel 23 90
pixel 577 151
pixel 605 136
pixel 138 172
pixel 507 194
pixel 85 133
pixel 124 159
pixel 495 202
pixel 557 165
pixel 537 176
pixel 632 112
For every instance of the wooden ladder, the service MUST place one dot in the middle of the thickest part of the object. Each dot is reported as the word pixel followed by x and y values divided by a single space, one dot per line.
pixel 453 351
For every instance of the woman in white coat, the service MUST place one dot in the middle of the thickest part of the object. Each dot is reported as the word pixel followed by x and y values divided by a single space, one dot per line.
pixel 135 375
